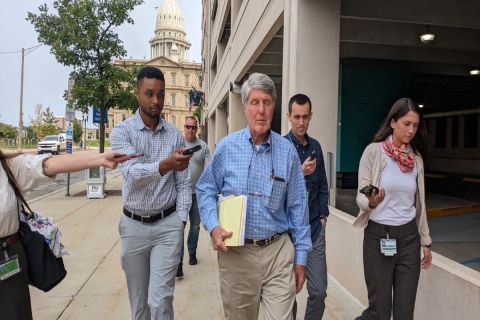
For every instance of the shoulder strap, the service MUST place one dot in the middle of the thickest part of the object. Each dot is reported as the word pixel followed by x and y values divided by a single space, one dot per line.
pixel 11 180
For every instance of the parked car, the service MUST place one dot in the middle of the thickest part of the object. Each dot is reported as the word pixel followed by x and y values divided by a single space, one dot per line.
pixel 53 144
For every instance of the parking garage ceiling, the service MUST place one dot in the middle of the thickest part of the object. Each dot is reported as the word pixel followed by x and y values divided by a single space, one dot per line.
pixel 373 31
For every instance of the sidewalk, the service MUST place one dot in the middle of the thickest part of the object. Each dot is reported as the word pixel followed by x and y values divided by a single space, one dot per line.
pixel 95 286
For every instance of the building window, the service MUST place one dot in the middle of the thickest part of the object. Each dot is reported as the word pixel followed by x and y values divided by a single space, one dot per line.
pixel 174 99
pixel 455 120
pixel 174 120
pixel 470 131
pixel 187 80
pixel 107 136
pixel 200 81
pixel 124 116
pixel 440 132
pixel 174 79
pixel 187 100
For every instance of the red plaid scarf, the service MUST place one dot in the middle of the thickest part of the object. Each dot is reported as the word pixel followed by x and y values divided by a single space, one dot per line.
pixel 404 155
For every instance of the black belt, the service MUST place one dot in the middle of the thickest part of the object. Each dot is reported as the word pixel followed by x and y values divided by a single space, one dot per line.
pixel 150 219
pixel 264 242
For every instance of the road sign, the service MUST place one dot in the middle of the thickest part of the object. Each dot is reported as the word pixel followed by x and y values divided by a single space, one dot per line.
pixel 96 115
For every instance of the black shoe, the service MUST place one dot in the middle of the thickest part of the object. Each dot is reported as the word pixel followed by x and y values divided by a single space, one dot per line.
pixel 180 270
pixel 193 260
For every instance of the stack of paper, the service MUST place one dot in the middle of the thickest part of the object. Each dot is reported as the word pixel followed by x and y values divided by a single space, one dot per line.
pixel 232 212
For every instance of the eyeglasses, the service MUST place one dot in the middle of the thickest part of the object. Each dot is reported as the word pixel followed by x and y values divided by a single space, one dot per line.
pixel 191 127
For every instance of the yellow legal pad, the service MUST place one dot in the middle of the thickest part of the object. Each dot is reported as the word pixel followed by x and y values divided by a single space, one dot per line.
pixel 232 211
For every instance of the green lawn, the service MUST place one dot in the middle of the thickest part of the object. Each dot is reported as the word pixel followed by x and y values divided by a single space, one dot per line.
pixel 95 143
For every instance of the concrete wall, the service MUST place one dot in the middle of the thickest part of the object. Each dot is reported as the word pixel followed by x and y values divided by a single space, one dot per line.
pixel 447 291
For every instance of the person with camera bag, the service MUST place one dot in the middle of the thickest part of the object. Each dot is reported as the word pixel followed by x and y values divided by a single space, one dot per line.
pixel 391 198
pixel 19 173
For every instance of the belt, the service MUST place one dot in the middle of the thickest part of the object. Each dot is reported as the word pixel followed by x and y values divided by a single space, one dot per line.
pixel 263 242
pixel 8 241
pixel 152 218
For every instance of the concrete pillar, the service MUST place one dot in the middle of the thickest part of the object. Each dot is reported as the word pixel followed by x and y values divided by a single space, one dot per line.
pixel 221 122
pixel 311 66
pixel 236 115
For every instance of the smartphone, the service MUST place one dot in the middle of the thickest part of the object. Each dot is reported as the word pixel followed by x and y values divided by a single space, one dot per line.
pixel 313 156
pixel 191 150
pixel 368 190
pixel 127 157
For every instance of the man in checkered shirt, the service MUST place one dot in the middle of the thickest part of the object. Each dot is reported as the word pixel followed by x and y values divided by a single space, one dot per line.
pixel 156 200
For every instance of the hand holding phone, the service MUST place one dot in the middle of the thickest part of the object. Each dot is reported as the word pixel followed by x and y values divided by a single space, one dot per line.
pixel 191 150
pixel 368 190
pixel 313 156
pixel 127 157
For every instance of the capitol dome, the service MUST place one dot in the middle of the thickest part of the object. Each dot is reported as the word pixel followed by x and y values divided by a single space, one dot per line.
pixel 170 17
pixel 170 39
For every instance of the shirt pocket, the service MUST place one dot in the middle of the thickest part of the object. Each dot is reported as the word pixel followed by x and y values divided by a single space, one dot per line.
pixel 277 196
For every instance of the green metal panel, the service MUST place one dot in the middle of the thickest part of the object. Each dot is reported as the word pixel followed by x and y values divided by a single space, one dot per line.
pixel 367 93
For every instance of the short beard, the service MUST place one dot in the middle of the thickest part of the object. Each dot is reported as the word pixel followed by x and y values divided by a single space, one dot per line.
pixel 150 115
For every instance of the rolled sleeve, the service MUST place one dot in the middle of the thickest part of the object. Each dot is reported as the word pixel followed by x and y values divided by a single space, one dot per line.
pixel 28 170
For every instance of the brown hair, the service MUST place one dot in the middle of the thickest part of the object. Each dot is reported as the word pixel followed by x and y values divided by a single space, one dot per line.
pixel 400 108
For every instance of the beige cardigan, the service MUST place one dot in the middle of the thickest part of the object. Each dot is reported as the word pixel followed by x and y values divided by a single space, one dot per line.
pixel 371 164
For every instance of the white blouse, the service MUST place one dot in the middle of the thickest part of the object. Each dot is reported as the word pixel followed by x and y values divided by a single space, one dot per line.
pixel 398 206
pixel 28 171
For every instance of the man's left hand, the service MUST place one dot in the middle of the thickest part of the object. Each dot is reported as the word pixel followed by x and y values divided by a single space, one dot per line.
pixel 299 276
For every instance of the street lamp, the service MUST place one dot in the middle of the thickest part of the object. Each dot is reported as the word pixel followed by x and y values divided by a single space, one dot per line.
pixel 20 121
pixel 84 120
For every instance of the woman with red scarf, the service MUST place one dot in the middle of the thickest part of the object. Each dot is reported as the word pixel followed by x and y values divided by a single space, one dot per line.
pixel 393 214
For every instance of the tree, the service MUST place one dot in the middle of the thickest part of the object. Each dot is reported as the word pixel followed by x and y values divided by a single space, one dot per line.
pixel 77 132
pixel 42 122
pixel 48 127
pixel 7 131
pixel 37 120
pixel 82 35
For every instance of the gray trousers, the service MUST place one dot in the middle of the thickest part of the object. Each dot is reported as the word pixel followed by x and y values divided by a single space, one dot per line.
pixel 150 254
pixel 398 273
pixel 316 279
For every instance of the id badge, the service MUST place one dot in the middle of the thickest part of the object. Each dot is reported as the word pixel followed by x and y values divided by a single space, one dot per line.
pixel 9 267
pixel 388 247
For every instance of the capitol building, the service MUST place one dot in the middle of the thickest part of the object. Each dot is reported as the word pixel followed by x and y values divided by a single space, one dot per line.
pixel 169 51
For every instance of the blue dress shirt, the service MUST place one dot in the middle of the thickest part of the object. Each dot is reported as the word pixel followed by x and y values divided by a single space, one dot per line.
pixel 271 177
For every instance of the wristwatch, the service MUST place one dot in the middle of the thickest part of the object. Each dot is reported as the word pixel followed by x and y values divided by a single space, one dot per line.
pixel 429 246
pixel 324 218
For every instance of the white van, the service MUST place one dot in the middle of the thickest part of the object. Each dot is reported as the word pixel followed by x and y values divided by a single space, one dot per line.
pixel 53 144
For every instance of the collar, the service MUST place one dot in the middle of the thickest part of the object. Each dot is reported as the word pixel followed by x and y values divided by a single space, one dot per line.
pixel 294 140
pixel 140 125
pixel 266 144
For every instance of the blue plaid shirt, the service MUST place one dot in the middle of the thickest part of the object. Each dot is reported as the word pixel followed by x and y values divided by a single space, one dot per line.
pixel 144 190
pixel 272 179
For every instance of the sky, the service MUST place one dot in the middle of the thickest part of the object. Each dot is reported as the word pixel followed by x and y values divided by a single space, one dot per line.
pixel 45 80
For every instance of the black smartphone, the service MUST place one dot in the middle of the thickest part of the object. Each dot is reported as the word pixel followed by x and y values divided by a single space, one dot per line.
pixel 368 190
pixel 313 156
pixel 191 150
pixel 127 157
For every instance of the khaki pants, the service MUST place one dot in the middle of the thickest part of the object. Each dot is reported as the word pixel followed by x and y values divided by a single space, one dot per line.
pixel 254 279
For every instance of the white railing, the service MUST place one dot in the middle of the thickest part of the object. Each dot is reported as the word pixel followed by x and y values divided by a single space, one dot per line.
pixel 448 290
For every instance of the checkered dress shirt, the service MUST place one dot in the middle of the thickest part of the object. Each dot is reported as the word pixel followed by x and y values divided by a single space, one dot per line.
pixel 145 191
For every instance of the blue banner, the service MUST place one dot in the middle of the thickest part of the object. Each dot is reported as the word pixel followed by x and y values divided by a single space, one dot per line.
pixel 96 115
